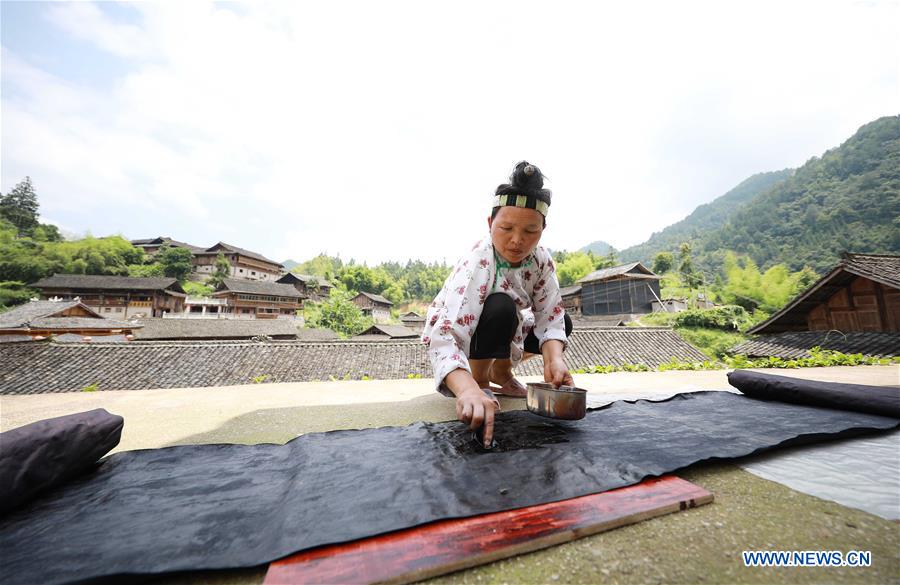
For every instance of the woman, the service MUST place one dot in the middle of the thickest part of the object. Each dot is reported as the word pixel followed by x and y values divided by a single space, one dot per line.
pixel 500 306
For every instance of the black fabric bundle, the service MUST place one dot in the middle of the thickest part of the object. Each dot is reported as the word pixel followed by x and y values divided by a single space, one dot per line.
pixel 229 506
pixel 855 397
pixel 37 457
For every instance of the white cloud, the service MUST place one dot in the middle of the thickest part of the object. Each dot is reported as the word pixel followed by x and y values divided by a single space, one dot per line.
pixel 87 22
pixel 379 130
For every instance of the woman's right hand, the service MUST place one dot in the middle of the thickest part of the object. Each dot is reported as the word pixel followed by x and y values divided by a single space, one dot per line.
pixel 475 408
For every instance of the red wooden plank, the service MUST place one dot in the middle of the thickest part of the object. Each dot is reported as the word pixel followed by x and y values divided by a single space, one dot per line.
pixel 450 545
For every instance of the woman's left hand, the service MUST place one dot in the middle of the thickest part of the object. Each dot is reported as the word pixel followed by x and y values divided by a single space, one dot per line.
pixel 556 373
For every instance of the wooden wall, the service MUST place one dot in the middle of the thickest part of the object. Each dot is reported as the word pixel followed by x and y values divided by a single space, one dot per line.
pixel 862 305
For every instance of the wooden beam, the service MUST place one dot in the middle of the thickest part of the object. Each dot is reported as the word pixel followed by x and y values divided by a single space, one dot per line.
pixel 451 545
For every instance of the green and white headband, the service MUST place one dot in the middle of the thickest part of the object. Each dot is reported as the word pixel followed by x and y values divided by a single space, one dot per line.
pixel 526 201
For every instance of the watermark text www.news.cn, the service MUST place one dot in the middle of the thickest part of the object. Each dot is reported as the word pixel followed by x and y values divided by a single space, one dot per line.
pixel 806 558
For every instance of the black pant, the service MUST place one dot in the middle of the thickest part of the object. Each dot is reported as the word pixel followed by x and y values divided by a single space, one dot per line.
pixel 496 327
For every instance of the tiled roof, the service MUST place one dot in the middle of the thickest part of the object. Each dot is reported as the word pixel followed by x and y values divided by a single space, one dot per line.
pixel 640 271
pixel 169 241
pixel 259 287
pixel 376 298
pixel 880 268
pixel 321 281
pixel 225 248
pixel 215 329
pixel 63 323
pixel 795 344
pixel 391 331
pixel 570 290
pixel 31 368
pixel 594 321
pixel 316 334
pixel 21 315
pixel 102 281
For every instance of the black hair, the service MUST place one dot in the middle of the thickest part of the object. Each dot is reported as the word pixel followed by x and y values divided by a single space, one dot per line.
pixel 526 179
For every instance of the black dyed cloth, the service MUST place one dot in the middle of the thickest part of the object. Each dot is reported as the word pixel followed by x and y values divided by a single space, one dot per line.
pixel 871 399
pixel 37 457
pixel 228 506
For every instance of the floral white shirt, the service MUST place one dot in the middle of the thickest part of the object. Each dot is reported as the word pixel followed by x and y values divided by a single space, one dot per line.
pixel 453 316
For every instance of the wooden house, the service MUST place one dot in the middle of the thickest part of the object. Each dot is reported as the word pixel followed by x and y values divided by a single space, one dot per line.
pixel 571 299
pixel 151 246
pixel 626 289
pixel 249 299
pixel 314 288
pixel 671 305
pixel 413 321
pixel 245 264
pixel 375 306
pixel 40 319
pixel 118 297
pixel 862 293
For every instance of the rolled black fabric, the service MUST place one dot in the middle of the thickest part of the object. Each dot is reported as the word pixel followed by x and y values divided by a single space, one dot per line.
pixel 230 506
pixel 856 397
pixel 39 456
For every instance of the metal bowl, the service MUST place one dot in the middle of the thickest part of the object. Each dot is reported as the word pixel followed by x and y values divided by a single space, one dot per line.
pixel 565 402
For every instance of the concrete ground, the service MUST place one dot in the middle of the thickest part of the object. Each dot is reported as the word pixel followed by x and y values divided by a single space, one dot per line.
pixel 701 545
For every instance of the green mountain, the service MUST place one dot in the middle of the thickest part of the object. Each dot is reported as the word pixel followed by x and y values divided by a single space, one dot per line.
pixel 289 265
pixel 847 199
pixel 599 248
pixel 704 219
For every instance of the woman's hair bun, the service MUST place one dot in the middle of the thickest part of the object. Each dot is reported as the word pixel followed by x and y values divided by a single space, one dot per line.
pixel 526 179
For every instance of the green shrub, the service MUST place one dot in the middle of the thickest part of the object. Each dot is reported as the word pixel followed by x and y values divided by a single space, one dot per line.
pixel 728 318
pixel 818 358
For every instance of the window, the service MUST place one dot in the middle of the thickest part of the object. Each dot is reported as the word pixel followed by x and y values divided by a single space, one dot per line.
pixel 253 272
pixel 107 310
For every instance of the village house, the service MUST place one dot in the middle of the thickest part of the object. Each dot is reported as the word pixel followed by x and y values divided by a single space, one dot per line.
pixel 862 293
pixel 247 299
pixel 670 305
pixel 628 289
pixel 37 320
pixel 244 264
pixel 314 288
pixel 118 297
pixel 375 306
pixel 151 246
pixel 413 321
pixel 855 308
pixel 571 299
pixel 386 333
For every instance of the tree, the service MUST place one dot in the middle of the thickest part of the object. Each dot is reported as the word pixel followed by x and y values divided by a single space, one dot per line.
pixel 176 262
pixel 575 265
pixel 20 207
pixel 13 292
pixel 222 271
pixel 607 261
pixel 663 262
pixel 686 268
pixel 337 313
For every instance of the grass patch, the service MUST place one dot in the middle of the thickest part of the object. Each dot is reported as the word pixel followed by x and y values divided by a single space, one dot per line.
pixel 714 343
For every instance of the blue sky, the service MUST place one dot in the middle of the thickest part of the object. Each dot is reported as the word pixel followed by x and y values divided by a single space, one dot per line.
pixel 379 131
